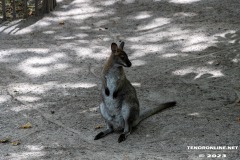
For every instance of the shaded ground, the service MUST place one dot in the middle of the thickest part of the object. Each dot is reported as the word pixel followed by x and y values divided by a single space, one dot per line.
pixel 183 50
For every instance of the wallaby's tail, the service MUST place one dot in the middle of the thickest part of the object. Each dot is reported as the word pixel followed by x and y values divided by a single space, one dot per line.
pixel 149 112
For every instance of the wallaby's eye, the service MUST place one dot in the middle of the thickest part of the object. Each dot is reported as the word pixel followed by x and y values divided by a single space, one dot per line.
pixel 122 56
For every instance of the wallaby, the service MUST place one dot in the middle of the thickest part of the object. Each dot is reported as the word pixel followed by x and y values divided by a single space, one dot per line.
pixel 120 105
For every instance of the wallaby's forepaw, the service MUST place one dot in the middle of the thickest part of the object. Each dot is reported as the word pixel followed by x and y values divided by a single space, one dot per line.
pixel 115 94
pixel 121 138
pixel 107 92
pixel 99 135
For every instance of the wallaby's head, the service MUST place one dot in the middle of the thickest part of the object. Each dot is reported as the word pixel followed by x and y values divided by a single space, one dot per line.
pixel 119 56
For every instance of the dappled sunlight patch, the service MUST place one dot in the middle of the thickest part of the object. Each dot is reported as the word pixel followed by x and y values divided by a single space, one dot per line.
pixel 34 147
pixel 138 53
pixel 182 39
pixel 7 53
pixel 60 66
pixel 107 2
pixel 193 41
pixel 141 15
pixel 23 88
pixel 170 55
pixel 33 71
pixel 155 23
pixel 211 62
pixel 94 109
pixel 138 62
pixel 142 50
pixel 82 35
pixel 230 37
pixel 26 155
pixel 184 1
pixel 29 29
pixel 177 34
pixel 9 29
pixel 136 84
pixel 76 85
pixel 236 60
pixel 26 88
pixel 197 42
pixel 23 107
pixel 77 11
pixel 185 14
pixel 223 35
pixel 128 1
pixel 49 32
pixel 196 47
pixel 64 37
pixel 96 52
pixel 4 98
pixel 196 114
pixel 28 98
pixel 101 23
pixel 37 66
pixel 82 41
pixel 135 39
pixel 199 71
pixel 83 10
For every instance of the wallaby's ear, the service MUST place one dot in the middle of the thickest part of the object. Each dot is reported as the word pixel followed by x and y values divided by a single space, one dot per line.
pixel 114 47
pixel 121 45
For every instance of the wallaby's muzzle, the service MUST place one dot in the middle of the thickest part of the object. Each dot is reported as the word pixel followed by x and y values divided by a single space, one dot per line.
pixel 129 64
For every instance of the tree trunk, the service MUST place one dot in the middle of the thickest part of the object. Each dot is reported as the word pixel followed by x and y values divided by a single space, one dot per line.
pixel 36 7
pixel 25 8
pixel 4 10
pixel 48 5
pixel 45 6
pixel 14 9
pixel 54 3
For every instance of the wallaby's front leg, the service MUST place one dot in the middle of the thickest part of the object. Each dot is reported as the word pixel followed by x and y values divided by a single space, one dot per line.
pixel 126 132
pixel 126 112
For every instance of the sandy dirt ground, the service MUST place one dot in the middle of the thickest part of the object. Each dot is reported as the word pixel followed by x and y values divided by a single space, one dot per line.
pixel 183 50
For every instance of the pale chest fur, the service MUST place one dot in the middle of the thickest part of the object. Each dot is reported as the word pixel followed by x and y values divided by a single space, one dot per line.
pixel 112 78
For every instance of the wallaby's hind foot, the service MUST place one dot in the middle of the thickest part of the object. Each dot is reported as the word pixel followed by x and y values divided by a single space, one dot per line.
pixel 103 134
pixel 121 138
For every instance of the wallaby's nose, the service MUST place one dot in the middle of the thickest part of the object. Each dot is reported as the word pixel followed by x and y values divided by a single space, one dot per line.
pixel 129 64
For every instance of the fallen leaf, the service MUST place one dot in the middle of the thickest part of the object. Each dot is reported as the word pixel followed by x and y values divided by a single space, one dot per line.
pixel 26 126
pixel 62 23
pixel 238 119
pixel 238 103
pixel 98 127
pixel 15 143
pixel 5 140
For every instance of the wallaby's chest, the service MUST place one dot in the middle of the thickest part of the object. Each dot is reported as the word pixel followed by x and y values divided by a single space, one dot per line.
pixel 112 82
pixel 110 101
pixel 112 79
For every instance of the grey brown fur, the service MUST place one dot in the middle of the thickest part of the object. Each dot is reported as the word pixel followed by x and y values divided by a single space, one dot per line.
pixel 120 105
